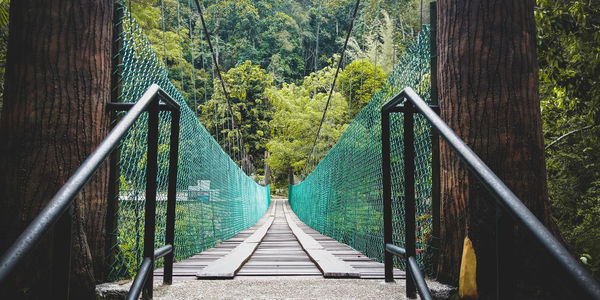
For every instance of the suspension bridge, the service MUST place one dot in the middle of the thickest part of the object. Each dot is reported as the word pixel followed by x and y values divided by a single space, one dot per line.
pixel 184 210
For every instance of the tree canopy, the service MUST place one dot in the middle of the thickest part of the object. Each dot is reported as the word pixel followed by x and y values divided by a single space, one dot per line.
pixel 298 110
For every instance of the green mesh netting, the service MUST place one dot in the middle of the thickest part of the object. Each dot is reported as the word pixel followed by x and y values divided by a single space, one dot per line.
pixel 342 197
pixel 215 199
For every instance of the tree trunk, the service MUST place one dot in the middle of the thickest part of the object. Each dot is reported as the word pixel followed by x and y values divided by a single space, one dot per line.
pixel 488 93
pixel 291 176
pixel 57 81
pixel 267 170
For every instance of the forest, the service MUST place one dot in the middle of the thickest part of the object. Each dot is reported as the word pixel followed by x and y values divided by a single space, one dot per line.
pixel 278 59
pixel 269 53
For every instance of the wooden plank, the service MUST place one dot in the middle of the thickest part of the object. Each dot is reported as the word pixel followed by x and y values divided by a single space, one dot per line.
pixel 225 267
pixel 331 266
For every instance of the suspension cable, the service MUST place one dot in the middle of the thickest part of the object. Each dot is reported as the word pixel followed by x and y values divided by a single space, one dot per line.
pixel 216 63
pixel 333 85
pixel 193 59
pixel 180 44
pixel 162 18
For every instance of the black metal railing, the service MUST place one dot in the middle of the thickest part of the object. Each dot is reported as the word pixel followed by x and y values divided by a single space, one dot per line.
pixel 58 212
pixel 413 266
pixel 569 269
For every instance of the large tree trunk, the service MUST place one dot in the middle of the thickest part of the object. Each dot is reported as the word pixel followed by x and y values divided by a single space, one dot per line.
pixel 57 80
pixel 488 92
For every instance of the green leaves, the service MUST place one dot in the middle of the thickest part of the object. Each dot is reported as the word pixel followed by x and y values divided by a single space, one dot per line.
pixel 358 82
pixel 569 59
pixel 298 109
pixel 246 85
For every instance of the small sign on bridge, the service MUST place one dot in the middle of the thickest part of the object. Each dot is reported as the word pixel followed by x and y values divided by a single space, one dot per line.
pixel 200 192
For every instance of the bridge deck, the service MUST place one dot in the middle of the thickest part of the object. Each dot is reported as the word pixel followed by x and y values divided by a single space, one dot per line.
pixel 279 244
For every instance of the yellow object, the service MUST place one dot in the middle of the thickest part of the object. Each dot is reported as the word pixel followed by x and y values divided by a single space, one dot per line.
pixel 467 283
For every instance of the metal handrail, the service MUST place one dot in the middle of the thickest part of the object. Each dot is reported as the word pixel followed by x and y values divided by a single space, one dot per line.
pixel 141 277
pixel 408 101
pixel 418 278
pixel 54 212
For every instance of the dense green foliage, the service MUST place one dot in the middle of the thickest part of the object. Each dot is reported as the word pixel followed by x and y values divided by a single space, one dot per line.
pixel 246 84
pixel 284 39
pixel 359 81
pixel 298 112
pixel 569 58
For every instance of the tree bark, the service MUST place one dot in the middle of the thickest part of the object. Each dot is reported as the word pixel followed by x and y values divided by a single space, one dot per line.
pixel 57 81
pixel 488 91
pixel 267 170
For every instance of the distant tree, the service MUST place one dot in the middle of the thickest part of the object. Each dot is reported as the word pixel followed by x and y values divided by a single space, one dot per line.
pixel 358 82
pixel 282 37
pixel 251 108
pixel 297 112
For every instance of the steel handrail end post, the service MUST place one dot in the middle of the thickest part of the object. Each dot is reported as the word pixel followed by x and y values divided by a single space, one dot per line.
pixel 151 190
pixel 508 201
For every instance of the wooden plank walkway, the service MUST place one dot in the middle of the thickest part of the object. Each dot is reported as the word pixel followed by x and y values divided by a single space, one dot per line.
pixel 279 244
pixel 280 253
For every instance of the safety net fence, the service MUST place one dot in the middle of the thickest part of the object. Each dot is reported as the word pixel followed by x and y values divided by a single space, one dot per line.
pixel 343 197
pixel 215 198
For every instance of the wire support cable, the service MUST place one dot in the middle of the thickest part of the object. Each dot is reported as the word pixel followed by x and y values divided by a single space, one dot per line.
pixel 216 63
pixel 332 86
pixel 242 153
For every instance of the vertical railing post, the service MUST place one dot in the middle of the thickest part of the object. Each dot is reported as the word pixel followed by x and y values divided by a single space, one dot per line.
pixel 388 258
pixel 435 141
pixel 116 86
pixel 172 195
pixel 409 195
pixel 151 185
pixel 62 255
pixel 212 218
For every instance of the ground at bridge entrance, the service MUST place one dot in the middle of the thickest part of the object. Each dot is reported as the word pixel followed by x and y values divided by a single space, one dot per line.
pixel 282 288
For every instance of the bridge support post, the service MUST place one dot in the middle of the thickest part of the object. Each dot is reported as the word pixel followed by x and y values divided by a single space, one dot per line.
pixel 400 104
pixel 151 173
pixel 409 196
